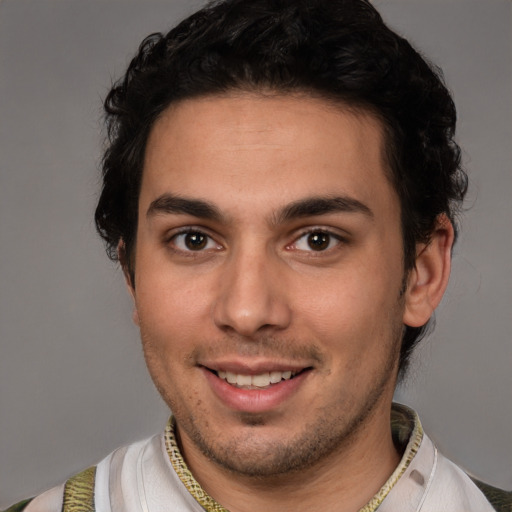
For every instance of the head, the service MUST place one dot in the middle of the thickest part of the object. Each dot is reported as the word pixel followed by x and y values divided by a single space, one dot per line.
pixel 340 51
pixel 280 186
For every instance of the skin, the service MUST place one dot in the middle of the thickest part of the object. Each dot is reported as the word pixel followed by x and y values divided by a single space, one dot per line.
pixel 261 281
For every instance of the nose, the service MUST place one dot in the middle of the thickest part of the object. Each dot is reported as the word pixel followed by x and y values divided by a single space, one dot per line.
pixel 251 296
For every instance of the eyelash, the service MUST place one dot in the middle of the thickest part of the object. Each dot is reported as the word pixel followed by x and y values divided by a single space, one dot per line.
pixel 331 237
pixel 338 239
pixel 170 241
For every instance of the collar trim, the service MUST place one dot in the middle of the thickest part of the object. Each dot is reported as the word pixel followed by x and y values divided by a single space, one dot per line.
pixel 184 474
pixel 406 429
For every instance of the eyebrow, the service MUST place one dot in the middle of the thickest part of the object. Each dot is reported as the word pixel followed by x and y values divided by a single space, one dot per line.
pixel 307 207
pixel 316 206
pixel 169 204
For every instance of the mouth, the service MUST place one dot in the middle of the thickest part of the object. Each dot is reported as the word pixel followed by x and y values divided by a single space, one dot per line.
pixel 260 381
pixel 255 390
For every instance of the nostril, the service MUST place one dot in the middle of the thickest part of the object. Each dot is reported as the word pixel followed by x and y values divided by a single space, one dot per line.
pixel 249 315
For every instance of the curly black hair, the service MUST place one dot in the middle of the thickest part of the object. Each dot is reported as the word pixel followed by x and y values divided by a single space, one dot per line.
pixel 340 50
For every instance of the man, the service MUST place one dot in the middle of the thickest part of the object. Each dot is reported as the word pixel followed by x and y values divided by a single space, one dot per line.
pixel 280 189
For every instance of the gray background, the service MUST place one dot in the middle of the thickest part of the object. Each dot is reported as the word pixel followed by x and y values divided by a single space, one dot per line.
pixel 73 385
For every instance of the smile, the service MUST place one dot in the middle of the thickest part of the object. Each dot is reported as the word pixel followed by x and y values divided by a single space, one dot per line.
pixel 260 381
pixel 254 390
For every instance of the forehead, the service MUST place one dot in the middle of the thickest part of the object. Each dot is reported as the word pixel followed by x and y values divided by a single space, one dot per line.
pixel 267 148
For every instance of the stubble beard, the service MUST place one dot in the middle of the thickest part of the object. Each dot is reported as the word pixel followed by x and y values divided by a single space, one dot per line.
pixel 250 456
pixel 333 430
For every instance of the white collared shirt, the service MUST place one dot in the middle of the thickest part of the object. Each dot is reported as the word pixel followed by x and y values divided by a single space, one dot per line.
pixel 151 476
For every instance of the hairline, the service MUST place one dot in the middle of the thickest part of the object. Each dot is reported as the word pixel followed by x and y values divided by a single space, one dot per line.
pixel 355 108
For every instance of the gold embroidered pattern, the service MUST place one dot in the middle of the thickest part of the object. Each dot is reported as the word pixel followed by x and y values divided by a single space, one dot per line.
pixel 181 468
pixel 79 492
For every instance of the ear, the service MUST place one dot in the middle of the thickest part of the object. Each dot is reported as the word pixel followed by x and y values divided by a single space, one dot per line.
pixel 428 280
pixel 123 260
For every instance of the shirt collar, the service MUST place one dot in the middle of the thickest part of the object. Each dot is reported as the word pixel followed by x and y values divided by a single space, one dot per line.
pixel 407 435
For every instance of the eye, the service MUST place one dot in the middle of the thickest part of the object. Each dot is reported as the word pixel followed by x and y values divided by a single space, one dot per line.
pixel 193 241
pixel 316 241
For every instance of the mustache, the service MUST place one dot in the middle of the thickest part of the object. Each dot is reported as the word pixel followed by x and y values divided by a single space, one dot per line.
pixel 267 347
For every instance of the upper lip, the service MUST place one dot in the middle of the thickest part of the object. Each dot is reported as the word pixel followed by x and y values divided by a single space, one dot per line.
pixel 255 367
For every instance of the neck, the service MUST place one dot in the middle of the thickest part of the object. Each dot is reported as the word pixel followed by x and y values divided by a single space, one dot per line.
pixel 343 482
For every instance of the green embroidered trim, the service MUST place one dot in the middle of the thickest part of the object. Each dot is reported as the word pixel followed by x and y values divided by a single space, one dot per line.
pixel 181 468
pixel 405 426
pixel 79 492
pixel 19 507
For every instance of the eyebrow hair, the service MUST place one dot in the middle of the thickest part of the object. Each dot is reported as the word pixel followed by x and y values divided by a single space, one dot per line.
pixel 307 207
pixel 313 206
pixel 167 203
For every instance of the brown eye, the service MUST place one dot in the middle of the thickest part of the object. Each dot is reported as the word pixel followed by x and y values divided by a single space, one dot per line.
pixel 195 241
pixel 319 241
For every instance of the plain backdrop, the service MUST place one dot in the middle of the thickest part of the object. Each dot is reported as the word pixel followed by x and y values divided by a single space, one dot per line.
pixel 73 385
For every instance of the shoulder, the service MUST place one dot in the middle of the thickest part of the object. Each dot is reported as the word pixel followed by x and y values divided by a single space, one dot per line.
pixel 451 483
pixel 49 501
pixel 432 482
pixel 501 500
pixel 18 507
pixel 77 494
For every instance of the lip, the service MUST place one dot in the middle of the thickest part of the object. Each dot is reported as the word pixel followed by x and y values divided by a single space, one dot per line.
pixel 253 367
pixel 254 400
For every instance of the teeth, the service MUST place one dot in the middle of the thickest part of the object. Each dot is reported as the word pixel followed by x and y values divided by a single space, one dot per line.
pixel 243 380
pixel 231 377
pixel 263 380
pixel 276 377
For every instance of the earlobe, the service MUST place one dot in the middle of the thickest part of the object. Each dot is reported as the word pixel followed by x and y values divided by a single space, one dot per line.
pixel 135 316
pixel 428 280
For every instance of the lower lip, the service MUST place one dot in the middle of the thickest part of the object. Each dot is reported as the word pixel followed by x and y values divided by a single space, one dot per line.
pixel 254 400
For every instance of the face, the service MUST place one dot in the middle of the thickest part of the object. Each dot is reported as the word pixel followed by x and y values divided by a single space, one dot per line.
pixel 268 270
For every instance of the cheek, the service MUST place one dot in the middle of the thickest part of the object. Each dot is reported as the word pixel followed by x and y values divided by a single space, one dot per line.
pixel 352 311
pixel 172 303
